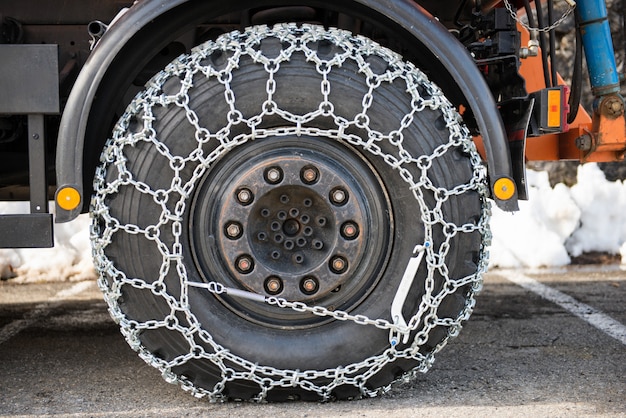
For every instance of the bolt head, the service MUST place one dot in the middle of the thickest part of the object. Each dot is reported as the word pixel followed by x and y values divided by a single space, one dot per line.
pixel 613 106
pixel 273 175
pixel 584 142
pixel 349 230
pixel 273 285
pixel 234 230
pixel 309 285
pixel 338 196
pixel 244 264
pixel 338 264
pixel 309 175
pixel 245 196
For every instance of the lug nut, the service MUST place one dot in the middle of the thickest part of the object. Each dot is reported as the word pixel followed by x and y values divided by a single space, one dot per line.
pixel 309 175
pixel 244 264
pixel 349 230
pixel 309 285
pixel 338 264
pixel 273 175
pixel 245 196
pixel 273 285
pixel 338 196
pixel 234 230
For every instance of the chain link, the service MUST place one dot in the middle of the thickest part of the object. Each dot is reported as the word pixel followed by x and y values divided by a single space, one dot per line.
pixel 571 6
pixel 237 46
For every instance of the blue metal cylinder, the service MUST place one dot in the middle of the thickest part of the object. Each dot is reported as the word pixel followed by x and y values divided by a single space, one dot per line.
pixel 598 45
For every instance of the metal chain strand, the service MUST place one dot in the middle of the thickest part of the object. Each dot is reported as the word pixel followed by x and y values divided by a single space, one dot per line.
pixel 571 6
pixel 174 201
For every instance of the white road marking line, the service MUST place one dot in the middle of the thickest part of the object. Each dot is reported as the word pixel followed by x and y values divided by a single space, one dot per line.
pixel 10 330
pixel 593 316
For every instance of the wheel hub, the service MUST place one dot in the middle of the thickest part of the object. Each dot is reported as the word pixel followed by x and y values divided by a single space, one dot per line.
pixel 285 223
pixel 302 222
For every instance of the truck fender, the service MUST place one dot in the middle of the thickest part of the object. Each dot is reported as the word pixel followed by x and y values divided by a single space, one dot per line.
pixel 164 20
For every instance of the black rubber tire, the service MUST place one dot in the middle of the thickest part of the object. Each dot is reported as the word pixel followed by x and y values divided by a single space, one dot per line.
pixel 264 337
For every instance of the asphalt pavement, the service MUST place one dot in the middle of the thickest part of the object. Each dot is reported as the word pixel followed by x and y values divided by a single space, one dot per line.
pixel 540 343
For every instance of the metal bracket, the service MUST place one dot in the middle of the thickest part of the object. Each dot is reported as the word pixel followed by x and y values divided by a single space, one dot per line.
pixel 402 293
pixel 30 78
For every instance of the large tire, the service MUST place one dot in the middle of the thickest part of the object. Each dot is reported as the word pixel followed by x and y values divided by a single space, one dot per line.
pixel 259 203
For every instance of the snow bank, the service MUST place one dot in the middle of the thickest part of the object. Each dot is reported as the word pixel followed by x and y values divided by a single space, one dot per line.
pixel 553 225
pixel 556 223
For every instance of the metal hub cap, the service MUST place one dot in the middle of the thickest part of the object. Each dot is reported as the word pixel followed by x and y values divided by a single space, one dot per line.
pixel 298 222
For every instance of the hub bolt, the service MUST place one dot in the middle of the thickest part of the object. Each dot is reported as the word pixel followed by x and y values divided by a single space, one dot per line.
pixel 338 264
pixel 234 230
pixel 273 285
pixel 349 230
pixel 273 175
pixel 309 285
pixel 245 196
pixel 338 196
pixel 244 264
pixel 309 175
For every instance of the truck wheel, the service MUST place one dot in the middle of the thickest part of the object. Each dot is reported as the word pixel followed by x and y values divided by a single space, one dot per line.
pixel 289 213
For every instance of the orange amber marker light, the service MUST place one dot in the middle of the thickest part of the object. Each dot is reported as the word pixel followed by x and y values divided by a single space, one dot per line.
pixel 554 108
pixel 68 198
pixel 504 188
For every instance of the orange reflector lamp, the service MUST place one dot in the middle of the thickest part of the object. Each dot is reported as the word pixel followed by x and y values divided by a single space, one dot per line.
pixel 554 108
pixel 550 111
pixel 504 188
pixel 68 198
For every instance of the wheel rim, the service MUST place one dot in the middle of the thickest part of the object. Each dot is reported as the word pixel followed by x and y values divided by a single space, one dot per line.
pixel 294 218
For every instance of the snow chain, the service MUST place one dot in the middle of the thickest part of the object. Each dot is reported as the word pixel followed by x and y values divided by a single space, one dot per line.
pixel 294 39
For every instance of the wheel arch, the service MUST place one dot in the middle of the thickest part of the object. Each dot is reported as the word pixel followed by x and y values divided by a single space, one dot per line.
pixel 144 29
